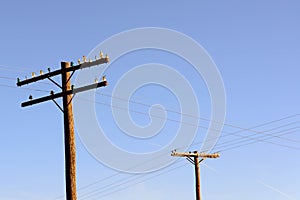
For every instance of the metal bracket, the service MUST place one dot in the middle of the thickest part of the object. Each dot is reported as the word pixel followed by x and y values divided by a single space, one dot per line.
pixel 58 105
pixel 54 82
pixel 190 160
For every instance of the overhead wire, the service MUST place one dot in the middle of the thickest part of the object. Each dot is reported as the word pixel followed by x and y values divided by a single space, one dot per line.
pixel 173 120
pixel 116 174
pixel 273 122
pixel 103 191
pixel 249 129
pixel 141 181
pixel 257 126
pixel 245 142
pixel 10 78
pixel 189 115
pixel 118 183
pixel 135 102
pixel 143 104
pixel 15 69
pixel 265 132
pixel 24 88
pixel 178 121
pixel 180 113
pixel 7 78
pixel 261 140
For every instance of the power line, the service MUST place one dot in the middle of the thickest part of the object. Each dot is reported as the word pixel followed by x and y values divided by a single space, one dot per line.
pixel 186 114
pixel 243 129
pixel 178 121
pixel 256 140
pixel 115 188
pixel 14 79
pixel 221 150
pixel 113 185
pixel 265 132
pixel 241 137
pixel 7 78
pixel 147 105
pixel 112 97
pixel 241 145
pixel 116 174
pixel 192 116
pixel 244 143
pixel 138 112
pixel 31 89
pixel 15 69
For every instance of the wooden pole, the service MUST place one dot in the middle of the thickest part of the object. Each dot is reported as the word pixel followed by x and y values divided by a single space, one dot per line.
pixel 197 177
pixel 67 94
pixel 193 157
pixel 70 150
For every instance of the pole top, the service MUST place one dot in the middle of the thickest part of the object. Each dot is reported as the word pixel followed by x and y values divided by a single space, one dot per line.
pixel 195 154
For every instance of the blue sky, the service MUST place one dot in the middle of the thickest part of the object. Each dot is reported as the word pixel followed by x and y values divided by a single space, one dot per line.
pixel 255 45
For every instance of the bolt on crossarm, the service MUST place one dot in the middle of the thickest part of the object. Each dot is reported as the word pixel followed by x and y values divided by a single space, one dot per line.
pixel 193 157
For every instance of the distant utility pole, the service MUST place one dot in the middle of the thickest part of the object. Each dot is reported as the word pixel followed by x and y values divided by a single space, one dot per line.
pixel 193 157
pixel 67 93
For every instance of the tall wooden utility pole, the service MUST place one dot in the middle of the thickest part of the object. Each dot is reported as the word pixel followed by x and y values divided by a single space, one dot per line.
pixel 197 177
pixel 193 157
pixel 67 93
pixel 70 150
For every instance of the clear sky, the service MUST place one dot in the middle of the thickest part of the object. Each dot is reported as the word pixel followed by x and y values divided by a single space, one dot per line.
pixel 254 44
